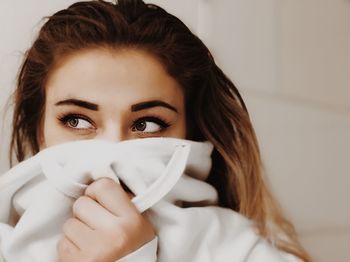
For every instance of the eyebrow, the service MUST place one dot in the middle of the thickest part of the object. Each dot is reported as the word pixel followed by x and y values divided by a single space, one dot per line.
pixel 134 108
pixel 78 102
pixel 153 103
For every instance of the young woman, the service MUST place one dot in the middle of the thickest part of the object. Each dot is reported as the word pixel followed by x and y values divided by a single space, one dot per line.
pixel 99 70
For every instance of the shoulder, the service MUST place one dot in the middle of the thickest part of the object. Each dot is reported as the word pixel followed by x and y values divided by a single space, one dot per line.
pixel 264 251
pixel 242 236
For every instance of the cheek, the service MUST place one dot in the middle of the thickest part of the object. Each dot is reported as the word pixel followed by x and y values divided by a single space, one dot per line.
pixel 181 130
pixel 184 130
pixel 52 133
pixel 48 132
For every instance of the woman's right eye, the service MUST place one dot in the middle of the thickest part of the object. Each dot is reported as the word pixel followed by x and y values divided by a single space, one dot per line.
pixel 76 122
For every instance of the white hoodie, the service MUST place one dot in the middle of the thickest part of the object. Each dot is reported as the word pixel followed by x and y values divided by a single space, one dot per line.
pixel 167 176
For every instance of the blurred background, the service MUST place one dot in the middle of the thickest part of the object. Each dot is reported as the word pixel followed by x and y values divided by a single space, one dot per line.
pixel 291 61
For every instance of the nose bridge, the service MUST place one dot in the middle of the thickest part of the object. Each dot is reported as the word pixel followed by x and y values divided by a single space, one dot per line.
pixel 111 131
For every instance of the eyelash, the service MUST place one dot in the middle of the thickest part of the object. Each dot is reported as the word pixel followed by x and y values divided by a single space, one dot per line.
pixel 151 118
pixel 155 119
pixel 66 117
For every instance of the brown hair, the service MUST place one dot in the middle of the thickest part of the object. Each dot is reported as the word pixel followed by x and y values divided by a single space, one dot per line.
pixel 215 110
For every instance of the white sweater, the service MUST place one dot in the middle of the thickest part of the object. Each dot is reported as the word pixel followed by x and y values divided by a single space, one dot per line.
pixel 163 173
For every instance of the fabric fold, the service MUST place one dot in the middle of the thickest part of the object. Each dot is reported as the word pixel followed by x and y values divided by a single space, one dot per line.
pixel 42 189
pixel 168 177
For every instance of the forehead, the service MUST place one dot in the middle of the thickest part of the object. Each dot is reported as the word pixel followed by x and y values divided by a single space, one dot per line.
pixel 107 76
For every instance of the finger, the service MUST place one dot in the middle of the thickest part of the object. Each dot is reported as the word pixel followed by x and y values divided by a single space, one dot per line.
pixel 78 233
pixel 111 196
pixel 92 213
pixel 67 251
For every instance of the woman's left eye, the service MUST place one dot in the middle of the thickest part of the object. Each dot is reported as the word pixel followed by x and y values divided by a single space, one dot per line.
pixel 149 125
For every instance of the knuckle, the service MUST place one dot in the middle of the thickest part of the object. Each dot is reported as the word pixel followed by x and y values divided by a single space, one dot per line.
pixel 67 226
pixel 100 184
pixel 137 223
pixel 62 246
pixel 79 203
pixel 105 182
pixel 130 228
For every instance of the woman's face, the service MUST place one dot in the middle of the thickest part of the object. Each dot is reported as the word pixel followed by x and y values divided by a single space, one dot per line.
pixel 111 95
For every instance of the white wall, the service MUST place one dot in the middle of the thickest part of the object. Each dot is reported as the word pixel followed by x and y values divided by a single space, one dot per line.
pixel 290 59
pixel 19 22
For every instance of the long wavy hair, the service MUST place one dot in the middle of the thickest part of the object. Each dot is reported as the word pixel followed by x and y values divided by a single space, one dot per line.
pixel 215 110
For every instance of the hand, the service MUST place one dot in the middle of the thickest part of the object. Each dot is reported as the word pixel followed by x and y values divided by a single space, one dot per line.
pixel 106 225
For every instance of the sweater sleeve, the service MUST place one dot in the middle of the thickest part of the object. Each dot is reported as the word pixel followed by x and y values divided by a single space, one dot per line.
pixel 263 251
pixel 146 253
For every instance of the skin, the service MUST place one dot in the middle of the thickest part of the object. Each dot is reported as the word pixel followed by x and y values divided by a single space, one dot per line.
pixel 106 225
